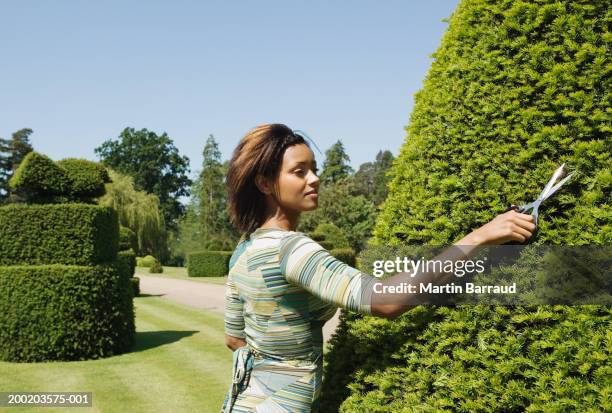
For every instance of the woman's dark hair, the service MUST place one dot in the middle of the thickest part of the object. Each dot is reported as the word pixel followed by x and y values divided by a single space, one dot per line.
pixel 259 152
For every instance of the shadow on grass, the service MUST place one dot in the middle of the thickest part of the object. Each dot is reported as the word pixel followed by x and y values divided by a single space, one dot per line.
pixel 150 295
pixel 145 340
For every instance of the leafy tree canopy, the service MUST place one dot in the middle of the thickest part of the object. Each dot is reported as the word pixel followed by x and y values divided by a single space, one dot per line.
pixel 154 163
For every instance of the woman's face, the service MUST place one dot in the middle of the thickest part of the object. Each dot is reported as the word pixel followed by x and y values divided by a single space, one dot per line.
pixel 298 184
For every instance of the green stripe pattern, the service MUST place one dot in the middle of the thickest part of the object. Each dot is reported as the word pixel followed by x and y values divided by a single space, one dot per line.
pixel 281 289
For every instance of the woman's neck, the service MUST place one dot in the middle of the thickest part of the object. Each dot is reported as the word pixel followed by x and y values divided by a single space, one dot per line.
pixel 282 221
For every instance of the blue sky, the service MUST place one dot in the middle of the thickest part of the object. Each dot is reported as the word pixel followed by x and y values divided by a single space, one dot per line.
pixel 79 72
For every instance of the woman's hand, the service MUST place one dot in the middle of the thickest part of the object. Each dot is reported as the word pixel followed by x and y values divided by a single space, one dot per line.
pixel 509 226
pixel 234 342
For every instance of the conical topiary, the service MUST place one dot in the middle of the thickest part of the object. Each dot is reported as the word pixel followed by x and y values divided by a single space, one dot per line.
pixel 516 88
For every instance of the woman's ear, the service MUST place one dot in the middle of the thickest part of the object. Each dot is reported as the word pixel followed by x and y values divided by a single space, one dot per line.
pixel 263 185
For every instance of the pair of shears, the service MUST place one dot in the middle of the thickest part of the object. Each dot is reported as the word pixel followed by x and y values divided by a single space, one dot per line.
pixel 546 193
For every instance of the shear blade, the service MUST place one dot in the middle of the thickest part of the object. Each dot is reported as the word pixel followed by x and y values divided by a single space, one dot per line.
pixel 544 194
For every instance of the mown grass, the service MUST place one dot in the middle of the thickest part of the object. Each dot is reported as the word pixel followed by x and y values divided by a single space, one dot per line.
pixel 179 363
pixel 181 274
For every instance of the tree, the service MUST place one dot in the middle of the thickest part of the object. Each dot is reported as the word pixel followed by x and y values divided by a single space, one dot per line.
pixel 371 178
pixel 340 205
pixel 154 163
pixel 335 166
pixel 138 211
pixel 212 191
pixel 206 224
pixel 12 152
pixel 515 89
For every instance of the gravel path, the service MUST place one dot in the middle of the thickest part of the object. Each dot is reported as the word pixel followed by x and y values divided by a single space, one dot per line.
pixel 205 296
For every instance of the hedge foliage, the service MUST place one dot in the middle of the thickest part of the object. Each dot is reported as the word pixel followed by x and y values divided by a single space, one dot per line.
pixel 135 286
pixel 127 262
pixel 516 88
pixel 71 234
pixel 39 179
pixel 86 178
pixel 38 175
pixel 64 312
pixel 208 263
pixel 127 239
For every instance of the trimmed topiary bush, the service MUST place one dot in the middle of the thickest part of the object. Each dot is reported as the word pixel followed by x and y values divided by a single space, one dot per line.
pixel 86 178
pixel 127 239
pixel 208 263
pixel 156 268
pixel 127 263
pixel 135 286
pixel 64 312
pixel 146 262
pixel 71 234
pixel 516 89
pixel 38 177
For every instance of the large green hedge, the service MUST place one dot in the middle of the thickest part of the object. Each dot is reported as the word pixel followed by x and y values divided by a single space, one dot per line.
pixel 516 88
pixel 208 263
pixel 62 312
pixel 72 234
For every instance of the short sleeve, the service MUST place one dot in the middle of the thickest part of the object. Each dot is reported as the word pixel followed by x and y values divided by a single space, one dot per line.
pixel 307 264
pixel 234 318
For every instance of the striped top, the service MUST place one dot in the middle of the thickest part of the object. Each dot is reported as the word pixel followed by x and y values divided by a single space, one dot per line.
pixel 282 287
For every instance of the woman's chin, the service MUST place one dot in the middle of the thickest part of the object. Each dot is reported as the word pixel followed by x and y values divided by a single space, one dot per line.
pixel 311 207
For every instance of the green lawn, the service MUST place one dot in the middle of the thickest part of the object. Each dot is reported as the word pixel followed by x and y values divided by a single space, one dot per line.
pixel 178 364
pixel 180 273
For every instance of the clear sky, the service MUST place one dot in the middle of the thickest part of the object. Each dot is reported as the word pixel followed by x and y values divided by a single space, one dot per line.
pixel 79 72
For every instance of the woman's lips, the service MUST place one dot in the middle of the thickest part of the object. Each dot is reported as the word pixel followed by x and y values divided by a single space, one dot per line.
pixel 313 195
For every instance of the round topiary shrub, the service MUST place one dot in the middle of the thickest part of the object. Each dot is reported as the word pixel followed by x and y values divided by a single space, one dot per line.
pixel 156 268
pixel 515 89
pixel 146 261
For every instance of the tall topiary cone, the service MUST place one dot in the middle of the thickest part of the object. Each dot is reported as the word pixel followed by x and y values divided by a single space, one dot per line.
pixel 516 88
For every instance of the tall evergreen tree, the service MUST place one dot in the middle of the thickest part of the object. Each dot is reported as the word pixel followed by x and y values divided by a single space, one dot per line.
pixel 206 223
pixel 336 165
pixel 12 152
pixel 212 192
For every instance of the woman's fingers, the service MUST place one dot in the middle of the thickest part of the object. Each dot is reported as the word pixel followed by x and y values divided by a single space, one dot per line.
pixel 521 232
pixel 525 221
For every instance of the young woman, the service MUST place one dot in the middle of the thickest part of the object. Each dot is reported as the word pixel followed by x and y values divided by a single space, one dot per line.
pixel 282 286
